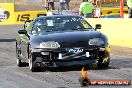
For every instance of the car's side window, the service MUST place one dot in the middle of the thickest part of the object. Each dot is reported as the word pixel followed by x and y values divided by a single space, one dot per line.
pixel 29 26
pixel 38 26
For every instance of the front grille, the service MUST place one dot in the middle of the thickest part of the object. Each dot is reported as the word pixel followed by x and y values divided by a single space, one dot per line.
pixel 76 56
pixel 73 55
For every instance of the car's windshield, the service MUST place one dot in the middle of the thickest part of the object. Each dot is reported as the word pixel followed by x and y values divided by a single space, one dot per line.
pixel 49 24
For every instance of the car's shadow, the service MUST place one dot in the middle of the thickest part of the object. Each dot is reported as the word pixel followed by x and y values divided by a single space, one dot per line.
pixel 66 69
pixel 7 40
pixel 76 68
pixel 114 64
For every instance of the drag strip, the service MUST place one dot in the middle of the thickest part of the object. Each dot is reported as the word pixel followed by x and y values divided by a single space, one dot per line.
pixel 12 76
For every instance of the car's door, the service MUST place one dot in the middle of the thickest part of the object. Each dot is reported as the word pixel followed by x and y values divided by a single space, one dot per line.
pixel 31 31
pixel 24 43
pixel 25 38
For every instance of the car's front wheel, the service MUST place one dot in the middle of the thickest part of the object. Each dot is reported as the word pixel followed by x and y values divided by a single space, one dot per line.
pixel 30 57
pixel 31 65
pixel 103 65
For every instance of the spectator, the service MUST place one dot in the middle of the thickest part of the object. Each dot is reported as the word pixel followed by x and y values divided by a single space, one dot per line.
pixel 46 5
pixel 51 4
pixel 86 9
pixel 62 4
pixel 129 4
pixel 67 4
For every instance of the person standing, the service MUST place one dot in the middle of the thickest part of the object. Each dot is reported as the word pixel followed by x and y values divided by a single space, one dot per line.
pixel 62 4
pixel 129 4
pixel 46 5
pixel 67 4
pixel 51 4
pixel 86 9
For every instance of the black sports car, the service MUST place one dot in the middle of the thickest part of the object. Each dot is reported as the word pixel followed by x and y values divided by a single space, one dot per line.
pixel 60 40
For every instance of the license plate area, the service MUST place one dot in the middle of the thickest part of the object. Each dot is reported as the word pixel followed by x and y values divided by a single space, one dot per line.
pixel 74 50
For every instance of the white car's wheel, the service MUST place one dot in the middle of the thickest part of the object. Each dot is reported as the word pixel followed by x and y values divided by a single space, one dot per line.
pixel 31 65
pixel 19 63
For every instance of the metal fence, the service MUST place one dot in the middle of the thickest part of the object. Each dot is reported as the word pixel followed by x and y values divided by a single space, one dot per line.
pixel 33 5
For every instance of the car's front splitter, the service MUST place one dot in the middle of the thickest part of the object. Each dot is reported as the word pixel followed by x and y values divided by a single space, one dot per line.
pixel 66 63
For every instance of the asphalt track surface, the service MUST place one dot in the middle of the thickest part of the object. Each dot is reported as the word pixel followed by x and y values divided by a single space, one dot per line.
pixel 12 76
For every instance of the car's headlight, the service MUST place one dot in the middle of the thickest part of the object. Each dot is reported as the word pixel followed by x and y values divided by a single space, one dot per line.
pixel 49 44
pixel 96 41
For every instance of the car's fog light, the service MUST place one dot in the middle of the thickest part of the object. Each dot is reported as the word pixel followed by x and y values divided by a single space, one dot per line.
pixel 101 49
pixel 60 56
pixel 45 53
pixel 96 61
pixel 87 54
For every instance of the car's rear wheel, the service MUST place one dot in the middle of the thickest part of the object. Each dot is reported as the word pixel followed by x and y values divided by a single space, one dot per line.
pixel 19 61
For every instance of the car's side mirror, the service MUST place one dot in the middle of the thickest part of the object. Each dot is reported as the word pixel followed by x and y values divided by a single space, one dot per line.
pixel 22 32
pixel 26 22
pixel 97 26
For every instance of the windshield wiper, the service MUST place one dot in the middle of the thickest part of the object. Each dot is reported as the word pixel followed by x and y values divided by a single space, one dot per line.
pixel 80 28
pixel 52 30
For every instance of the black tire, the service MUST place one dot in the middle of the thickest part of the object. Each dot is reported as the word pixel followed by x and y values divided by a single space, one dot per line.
pixel 31 68
pixel 30 62
pixel 106 64
pixel 19 63
pixel 103 65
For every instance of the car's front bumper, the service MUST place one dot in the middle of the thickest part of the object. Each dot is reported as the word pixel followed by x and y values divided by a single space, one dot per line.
pixel 66 63
pixel 53 59
pixel 74 63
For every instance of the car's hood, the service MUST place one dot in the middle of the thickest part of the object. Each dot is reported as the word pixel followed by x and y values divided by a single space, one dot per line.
pixel 69 38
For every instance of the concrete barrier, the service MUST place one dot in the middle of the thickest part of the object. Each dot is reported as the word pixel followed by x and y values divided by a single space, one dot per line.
pixel 9 16
pixel 118 31
pixel 20 17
